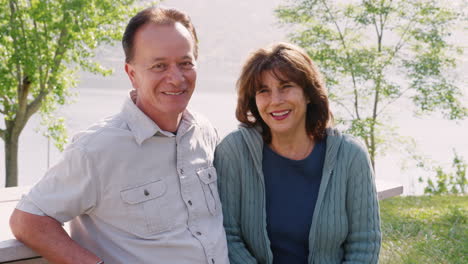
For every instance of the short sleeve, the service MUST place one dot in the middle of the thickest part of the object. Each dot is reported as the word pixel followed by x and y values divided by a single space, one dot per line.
pixel 67 190
pixel 27 206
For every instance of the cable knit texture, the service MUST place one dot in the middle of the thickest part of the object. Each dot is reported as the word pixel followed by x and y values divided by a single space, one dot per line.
pixel 346 224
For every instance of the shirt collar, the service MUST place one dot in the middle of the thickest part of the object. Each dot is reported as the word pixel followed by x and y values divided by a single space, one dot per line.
pixel 142 127
pixel 186 123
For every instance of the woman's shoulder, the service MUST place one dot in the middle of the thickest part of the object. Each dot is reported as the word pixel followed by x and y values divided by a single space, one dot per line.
pixel 232 142
pixel 239 142
pixel 241 135
pixel 348 143
pixel 233 138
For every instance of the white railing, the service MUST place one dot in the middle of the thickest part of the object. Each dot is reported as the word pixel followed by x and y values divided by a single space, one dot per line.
pixel 13 251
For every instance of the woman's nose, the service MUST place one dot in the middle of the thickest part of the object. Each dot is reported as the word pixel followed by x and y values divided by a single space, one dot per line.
pixel 276 97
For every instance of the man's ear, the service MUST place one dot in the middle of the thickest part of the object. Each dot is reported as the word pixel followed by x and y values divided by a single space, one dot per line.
pixel 133 95
pixel 131 75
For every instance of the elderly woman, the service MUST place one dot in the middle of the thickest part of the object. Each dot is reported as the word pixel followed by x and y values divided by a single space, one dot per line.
pixel 293 189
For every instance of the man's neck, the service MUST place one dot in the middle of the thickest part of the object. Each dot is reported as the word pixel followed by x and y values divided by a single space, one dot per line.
pixel 165 121
pixel 170 125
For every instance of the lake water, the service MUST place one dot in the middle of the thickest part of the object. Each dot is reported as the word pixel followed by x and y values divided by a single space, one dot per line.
pixel 435 138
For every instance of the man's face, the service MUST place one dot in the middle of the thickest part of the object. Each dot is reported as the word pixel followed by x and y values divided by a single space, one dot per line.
pixel 163 70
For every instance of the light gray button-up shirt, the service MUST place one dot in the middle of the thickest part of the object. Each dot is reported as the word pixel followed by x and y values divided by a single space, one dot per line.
pixel 137 194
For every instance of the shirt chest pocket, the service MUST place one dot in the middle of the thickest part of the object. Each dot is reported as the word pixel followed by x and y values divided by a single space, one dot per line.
pixel 208 179
pixel 146 208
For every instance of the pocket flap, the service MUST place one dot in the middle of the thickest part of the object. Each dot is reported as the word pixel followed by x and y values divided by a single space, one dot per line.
pixel 144 192
pixel 207 175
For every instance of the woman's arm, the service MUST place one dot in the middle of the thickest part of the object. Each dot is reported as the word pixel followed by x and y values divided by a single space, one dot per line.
pixel 229 186
pixel 362 244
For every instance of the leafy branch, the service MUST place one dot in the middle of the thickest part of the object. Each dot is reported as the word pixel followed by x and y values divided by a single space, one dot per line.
pixel 408 58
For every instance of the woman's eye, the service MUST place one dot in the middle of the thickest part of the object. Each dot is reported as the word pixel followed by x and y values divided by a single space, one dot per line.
pixel 262 91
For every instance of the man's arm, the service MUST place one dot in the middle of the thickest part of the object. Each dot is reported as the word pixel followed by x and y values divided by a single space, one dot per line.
pixel 46 236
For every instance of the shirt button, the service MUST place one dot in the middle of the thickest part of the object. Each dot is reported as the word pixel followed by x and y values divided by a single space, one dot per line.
pixel 181 171
pixel 189 202
pixel 209 175
pixel 198 233
pixel 213 261
pixel 145 192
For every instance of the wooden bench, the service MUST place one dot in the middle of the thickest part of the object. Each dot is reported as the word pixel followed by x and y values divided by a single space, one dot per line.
pixel 13 251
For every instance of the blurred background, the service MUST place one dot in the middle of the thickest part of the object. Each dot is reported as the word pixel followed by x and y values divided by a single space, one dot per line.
pixel 228 31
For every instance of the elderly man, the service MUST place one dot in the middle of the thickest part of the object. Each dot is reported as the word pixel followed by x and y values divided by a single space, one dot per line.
pixel 138 187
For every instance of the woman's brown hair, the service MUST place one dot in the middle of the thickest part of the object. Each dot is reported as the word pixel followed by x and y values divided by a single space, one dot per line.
pixel 285 61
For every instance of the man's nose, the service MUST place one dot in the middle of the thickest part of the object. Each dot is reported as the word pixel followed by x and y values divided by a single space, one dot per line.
pixel 175 76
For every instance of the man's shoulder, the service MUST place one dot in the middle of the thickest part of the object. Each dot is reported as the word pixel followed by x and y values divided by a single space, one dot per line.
pixel 203 124
pixel 105 130
pixel 201 120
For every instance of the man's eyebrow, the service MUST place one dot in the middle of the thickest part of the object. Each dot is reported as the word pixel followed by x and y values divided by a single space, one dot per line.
pixel 158 59
pixel 187 57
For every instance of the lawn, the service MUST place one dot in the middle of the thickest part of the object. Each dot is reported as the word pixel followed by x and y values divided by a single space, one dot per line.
pixel 425 229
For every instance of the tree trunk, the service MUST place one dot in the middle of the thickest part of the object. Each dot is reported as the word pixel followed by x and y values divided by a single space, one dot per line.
pixel 11 160
pixel 372 158
pixel 372 146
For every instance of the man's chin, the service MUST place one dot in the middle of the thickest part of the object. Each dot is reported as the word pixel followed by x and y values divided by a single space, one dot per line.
pixel 177 109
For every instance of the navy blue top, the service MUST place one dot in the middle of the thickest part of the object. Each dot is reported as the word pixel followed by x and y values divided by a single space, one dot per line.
pixel 291 190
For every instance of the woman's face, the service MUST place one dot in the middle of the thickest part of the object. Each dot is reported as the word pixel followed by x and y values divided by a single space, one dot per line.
pixel 282 105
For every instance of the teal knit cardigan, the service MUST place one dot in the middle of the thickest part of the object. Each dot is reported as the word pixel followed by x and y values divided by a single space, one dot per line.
pixel 346 224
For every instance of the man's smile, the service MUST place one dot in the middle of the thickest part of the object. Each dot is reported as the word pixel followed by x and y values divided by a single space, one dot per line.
pixel 174 93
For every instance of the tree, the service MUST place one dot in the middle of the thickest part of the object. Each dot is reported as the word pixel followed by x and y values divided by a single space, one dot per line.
pixel 42 44
pixel 452 181
pixel 374 53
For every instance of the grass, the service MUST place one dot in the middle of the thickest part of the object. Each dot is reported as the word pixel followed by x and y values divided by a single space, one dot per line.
pixel 424 229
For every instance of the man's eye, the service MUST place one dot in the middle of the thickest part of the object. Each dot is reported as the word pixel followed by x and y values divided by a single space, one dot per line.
pixel 159 67
pixel 186 65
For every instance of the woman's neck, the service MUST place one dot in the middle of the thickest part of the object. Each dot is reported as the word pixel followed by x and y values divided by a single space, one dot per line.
pixel 295 147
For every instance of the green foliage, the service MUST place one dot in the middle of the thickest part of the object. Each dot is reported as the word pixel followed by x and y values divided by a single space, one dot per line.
pixel 453 182
pixel 375 52
pixel 42 44
pixel 425 229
